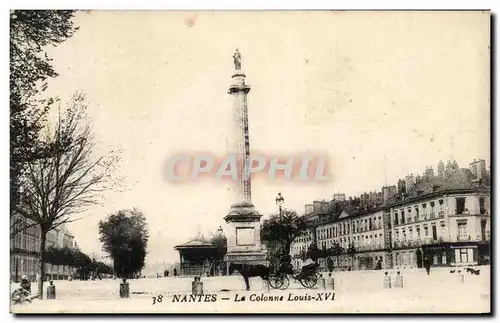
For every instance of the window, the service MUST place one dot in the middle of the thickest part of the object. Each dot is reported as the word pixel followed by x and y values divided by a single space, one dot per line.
pixel 482 208
pixel 403 217
pixel 462 230
pixel 416 212
pixel 464 255
pixel 426 231
pixel 460 205
pixel 370 224
pixel 396 222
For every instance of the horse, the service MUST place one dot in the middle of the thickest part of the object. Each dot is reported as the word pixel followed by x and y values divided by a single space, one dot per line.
pixel 250 271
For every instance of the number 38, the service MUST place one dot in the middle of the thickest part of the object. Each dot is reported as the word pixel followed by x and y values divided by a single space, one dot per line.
pixel 157 299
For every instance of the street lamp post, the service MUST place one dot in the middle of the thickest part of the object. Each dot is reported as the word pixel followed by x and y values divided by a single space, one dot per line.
pixel 220 232
pixel 279 201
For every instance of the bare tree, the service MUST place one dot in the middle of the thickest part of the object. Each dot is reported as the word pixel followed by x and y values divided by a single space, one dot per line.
pixel 67 181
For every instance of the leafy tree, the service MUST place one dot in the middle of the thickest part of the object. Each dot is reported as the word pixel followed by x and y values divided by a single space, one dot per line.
pixel 336 250
pixel 313 252
pixel 31 31
pixel 103 268
pixel 67 181
pixel 324 252
pixel 124 236
pixel 278 232
pixel 220 241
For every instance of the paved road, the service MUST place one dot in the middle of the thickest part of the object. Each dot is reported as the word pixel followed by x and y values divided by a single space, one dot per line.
pixel 360 291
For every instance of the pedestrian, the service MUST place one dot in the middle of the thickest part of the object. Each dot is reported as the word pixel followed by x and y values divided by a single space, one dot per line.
pixel 329 265
pixel 175 272
pixel 166 273
pixel 427 264
pixel 25 283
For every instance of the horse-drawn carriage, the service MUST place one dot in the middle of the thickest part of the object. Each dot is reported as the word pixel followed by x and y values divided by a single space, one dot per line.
pixel 278 279
pixel 308 277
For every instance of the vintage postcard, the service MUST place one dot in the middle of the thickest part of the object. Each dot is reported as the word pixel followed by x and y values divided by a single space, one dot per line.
pixel 250 161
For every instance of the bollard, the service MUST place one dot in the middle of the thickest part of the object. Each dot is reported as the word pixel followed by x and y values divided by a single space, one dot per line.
pixel 399 281
pixel 51 290
pixel 124 289
pixel 197 286
pixel 330 283
pixel 387 280
pixel 322 283
pixel 265 286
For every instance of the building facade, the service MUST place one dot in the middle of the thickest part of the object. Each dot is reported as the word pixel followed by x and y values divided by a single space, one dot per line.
pixel 451 226
pixel 446 218
pixel 299 247
pixel 361 229
pixel 25 251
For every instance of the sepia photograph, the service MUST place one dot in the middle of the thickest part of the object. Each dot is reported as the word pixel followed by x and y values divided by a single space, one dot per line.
pixel 245 162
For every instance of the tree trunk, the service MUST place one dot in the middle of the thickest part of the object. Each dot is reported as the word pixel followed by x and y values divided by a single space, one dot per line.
pixel 43 239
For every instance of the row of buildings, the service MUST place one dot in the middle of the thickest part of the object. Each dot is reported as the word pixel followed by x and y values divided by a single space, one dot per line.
pixel 444 217
pixel 25 252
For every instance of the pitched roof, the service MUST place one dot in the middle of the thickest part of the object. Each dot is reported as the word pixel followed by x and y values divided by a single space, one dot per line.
pixel 460 179
pixel 195 243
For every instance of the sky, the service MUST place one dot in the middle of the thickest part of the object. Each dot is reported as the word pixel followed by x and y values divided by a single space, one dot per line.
pixel 381 94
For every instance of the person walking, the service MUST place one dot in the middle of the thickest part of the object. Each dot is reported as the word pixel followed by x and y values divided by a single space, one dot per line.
pixel 329 265
pixel 427 264
pixel 175 272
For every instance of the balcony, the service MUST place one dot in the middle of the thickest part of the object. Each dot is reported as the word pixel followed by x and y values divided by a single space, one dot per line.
pixel 416 243
pixel 370 247
pixel 477 238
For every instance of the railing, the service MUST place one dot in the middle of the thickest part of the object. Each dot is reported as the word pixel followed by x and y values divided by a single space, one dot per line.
pixel 416 243
pixel 376 246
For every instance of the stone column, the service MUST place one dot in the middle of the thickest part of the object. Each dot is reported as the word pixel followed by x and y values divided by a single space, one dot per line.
pixel 241 143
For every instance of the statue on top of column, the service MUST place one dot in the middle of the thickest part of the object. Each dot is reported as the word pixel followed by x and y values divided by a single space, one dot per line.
pixel 237 60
